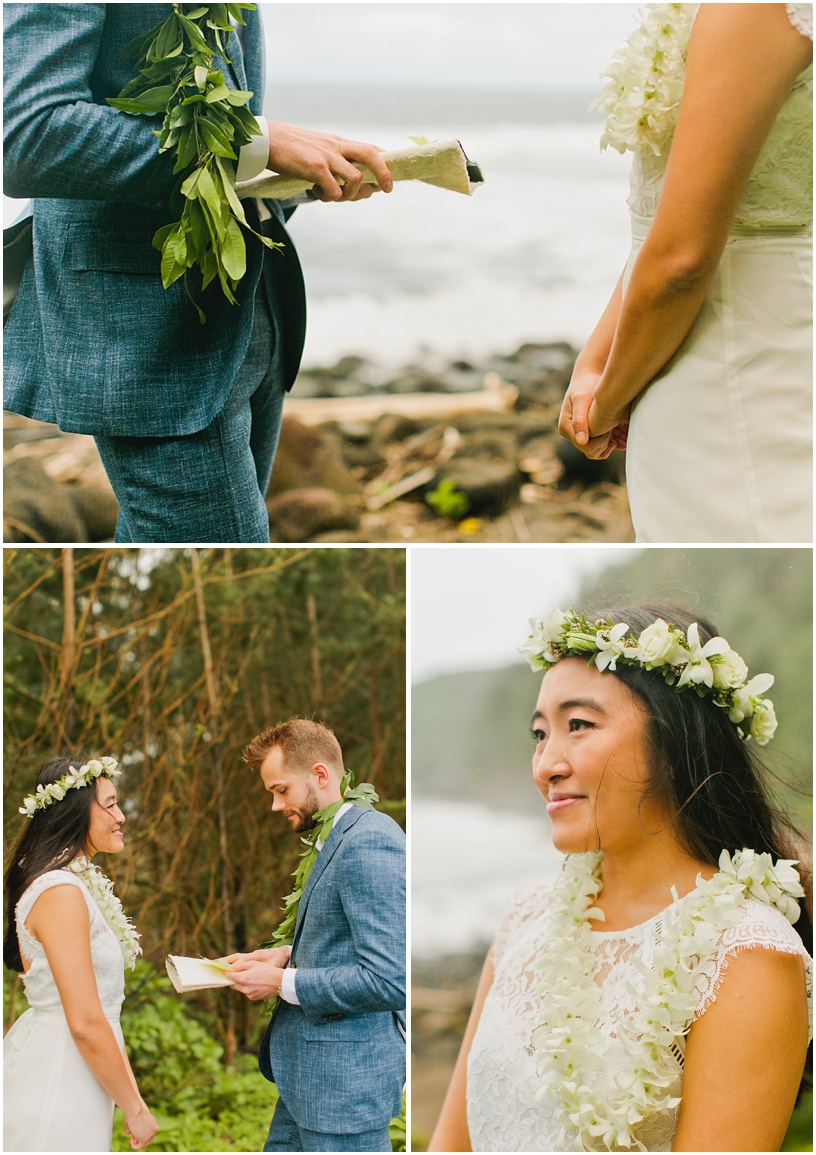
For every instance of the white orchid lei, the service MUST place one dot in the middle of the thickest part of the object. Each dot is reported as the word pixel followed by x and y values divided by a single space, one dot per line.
pixel 568 1040
pixel 101 889
pixel 55 791
pixel 712 670
pixel 644 83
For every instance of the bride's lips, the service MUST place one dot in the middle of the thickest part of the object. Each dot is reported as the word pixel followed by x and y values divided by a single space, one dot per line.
pixel 563 802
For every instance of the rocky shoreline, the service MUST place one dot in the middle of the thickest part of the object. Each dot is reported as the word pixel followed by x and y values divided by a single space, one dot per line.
pixel 435 451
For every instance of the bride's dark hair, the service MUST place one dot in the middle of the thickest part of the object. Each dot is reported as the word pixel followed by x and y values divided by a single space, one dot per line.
pixel 712 782
pixel 51 838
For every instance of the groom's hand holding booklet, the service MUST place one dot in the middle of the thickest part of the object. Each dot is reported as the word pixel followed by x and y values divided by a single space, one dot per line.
pixel 197 974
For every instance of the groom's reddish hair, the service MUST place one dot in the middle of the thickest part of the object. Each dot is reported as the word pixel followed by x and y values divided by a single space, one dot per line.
pixel 303 743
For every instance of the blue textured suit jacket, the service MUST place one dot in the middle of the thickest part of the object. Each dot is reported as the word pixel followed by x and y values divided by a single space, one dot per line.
pixel 338 1059
pixel 93 341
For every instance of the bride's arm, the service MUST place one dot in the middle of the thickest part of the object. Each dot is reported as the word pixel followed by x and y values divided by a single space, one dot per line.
pixel 451 1131
pixel 742 61
pixel 59 921
pixel 745 1056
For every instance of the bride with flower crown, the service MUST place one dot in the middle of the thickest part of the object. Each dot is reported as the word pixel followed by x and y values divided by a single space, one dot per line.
pixel 701 365
pixel 65 1063
pixel 657 995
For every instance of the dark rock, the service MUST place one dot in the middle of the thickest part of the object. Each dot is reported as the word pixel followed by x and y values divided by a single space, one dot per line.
pixel 556 355
pixel 485 469
pixel 99 510
pixel 309 458
pixel 37 508
pixel 298 515
pixel 392 427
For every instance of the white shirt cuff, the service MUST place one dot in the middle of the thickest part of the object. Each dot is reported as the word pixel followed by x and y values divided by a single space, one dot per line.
pixel 254 157
pixel 287 989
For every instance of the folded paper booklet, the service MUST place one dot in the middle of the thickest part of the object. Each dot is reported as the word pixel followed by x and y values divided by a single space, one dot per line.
pixel 197 974
pixel 441 163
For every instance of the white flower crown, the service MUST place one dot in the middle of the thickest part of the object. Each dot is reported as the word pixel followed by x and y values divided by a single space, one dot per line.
pixel 713 670
pixel 55 791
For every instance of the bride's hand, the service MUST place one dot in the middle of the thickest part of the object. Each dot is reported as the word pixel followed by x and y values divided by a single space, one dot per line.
pixel 141 1126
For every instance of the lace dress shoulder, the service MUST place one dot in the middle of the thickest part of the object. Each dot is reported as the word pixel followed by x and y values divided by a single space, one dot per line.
pixel 30 948
pixel 528 904
pixel 763 926
pixel 801 17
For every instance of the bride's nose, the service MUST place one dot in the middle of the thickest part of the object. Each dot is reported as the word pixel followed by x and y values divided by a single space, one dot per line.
pixel 549 764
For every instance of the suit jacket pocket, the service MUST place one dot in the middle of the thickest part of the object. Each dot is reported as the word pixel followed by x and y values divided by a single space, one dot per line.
pixel 91 249
pixel 339 1030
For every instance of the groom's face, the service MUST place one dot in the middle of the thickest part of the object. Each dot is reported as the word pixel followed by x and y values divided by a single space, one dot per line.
pixel 293 792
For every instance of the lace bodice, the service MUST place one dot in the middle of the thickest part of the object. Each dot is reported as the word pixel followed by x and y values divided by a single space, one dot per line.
pixel 503 1114
pixel 779 194
pixel 106 954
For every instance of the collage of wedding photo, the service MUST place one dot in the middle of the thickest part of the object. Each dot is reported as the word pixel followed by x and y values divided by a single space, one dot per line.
pixel 408 603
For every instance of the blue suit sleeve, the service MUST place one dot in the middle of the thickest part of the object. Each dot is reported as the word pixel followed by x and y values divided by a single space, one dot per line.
pixel 373 897
pixel 57 141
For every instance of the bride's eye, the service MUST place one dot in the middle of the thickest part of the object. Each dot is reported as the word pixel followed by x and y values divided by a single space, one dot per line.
pixel 580 724
pixel 538 735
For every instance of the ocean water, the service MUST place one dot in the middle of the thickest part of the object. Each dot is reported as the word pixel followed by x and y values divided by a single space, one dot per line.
pixel 533 255
pixel 467 864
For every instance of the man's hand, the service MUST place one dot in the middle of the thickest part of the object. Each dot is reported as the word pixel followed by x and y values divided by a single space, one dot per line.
pixel 259 975
pixel 278 956
pixel 326 161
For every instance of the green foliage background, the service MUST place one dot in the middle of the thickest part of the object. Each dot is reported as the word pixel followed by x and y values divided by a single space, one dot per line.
pixel 172 663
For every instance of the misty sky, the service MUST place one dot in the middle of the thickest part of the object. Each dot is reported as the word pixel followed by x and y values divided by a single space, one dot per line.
pixel 489 45
pixel 470 605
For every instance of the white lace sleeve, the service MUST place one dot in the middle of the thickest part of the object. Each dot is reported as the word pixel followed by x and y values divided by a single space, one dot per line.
pixel 29 946
pixel 801 17
pixel 761 925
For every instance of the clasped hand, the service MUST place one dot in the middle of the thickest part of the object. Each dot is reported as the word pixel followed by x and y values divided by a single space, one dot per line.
pixel 259 974
pixel 596 431
pixel 326 161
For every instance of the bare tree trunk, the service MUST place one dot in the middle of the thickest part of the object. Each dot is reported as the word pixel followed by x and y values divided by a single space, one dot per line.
pixel 66 714
pixel 317 681
pixel 218 776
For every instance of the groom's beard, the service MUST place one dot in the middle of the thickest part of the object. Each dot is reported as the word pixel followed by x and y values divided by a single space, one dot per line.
pixel 301 818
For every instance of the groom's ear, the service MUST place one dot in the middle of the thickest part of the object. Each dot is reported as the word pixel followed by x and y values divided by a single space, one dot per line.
pixel 321 773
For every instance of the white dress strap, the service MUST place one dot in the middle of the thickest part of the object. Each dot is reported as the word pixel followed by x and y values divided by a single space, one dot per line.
pixel 801 17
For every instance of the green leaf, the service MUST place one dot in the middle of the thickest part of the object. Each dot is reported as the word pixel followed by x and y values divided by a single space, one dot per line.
pixel 196 13
pixel 237 96
pixel 233 251
pixel 200 73
pixel 197 41
pixel 215 140
pixel 221 92
pixel 187 150
pixel 161 235
pixel 171 270
pixel 228 185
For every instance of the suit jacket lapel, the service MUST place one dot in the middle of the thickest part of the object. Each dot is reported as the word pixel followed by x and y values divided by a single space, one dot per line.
pixel 344 823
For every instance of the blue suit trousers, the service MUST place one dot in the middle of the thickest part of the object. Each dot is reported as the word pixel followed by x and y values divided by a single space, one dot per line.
pixel 207 486
pixel 286 1135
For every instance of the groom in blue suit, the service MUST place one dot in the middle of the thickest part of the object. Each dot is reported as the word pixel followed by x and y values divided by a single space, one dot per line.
pixel 185 416
pixel 336 1044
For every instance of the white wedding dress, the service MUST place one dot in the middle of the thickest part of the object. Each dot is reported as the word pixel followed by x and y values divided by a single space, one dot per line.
pixel 720 442
pixel 51 1101
pixel 502 1111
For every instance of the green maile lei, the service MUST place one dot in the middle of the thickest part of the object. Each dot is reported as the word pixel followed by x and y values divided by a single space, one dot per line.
pixel 205 124
pixel 363 796
pixel 594 1108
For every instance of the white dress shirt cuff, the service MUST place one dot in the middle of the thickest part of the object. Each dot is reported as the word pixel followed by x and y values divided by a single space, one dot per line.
pixel 254 157
pixel 287 990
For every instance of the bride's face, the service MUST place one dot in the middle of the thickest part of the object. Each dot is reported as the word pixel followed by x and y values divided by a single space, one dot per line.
pixel 590 761
pixel 105 827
